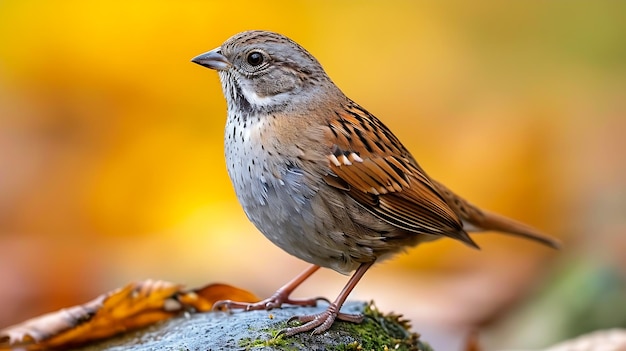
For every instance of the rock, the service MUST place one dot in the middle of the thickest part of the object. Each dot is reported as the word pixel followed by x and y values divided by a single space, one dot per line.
pixel 257 330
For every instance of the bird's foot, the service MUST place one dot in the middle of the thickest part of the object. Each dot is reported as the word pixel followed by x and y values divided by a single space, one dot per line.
pixel 275 301
pixel 321 322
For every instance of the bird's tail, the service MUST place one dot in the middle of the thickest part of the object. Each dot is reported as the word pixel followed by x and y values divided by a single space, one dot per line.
pixel 476 219
pixel 493 221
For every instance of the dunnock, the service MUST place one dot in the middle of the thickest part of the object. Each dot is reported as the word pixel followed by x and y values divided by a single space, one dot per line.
pixel 324 179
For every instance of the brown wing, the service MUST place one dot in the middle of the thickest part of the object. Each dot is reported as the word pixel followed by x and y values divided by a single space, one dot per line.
pixel 371 164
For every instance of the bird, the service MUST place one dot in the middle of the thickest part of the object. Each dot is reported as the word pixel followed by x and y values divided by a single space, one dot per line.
pixel 324 179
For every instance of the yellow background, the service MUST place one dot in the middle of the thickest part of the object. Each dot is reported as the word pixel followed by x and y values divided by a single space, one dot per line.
pixel 111 157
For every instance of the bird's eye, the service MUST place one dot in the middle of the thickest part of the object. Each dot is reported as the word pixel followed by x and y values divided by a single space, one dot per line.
pixel 255 58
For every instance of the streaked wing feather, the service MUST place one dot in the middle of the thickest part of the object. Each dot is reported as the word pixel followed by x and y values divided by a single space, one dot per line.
pixel 371 164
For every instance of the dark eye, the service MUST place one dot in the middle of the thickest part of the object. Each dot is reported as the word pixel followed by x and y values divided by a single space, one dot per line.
pixel 255 58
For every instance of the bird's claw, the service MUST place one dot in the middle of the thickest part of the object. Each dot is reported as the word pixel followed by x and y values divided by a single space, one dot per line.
pixel 275 301
pixel 321 322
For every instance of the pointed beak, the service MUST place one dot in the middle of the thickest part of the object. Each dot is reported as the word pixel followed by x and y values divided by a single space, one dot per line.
pixel 213 60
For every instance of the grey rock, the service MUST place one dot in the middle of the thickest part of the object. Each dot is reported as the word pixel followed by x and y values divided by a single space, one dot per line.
pixel 257 330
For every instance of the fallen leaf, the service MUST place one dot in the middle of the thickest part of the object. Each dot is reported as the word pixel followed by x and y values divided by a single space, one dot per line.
pixel 202 299
pixel 134 306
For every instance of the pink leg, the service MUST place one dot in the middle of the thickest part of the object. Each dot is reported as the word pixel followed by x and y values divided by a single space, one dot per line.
pixel 320 322
pixel 280 297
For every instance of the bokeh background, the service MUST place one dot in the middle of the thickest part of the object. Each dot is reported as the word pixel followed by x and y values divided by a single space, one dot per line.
pixel 112 169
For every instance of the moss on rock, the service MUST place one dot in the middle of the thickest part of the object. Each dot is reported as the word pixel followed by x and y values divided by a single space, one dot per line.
pixel 259 330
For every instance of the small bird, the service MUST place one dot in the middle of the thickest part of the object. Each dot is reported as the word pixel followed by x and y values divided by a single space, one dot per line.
pixel 324 179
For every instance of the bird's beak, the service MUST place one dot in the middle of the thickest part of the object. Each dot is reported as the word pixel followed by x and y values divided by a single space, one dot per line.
pixel 213 60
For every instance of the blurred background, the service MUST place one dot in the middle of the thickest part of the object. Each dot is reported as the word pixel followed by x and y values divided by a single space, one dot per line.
pixel 112 168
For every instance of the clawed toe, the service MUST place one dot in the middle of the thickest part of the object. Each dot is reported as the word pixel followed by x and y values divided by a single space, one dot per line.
pixel 227 305
pixel 316 324
pixel 352 318
pixel 275 301
pixel 321 322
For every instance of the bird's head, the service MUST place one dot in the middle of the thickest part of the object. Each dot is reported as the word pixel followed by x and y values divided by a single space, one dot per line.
pixel 264 70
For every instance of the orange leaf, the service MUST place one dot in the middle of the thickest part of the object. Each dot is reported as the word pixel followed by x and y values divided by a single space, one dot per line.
pixel 202 299
pixel 136 305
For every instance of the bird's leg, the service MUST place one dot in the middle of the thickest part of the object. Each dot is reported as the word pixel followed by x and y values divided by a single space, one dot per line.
pixel 319 323
pixel 280 297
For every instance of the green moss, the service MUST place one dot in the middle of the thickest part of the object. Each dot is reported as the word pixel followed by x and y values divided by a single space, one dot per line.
pixel 381 332
pixel 378 331
pixel 275 340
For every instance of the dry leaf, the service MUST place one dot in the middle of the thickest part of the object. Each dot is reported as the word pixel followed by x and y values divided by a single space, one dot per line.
pixel 202 299
pixel 133 306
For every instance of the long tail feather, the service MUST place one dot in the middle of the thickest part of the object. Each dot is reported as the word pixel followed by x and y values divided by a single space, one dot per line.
pixel 493 221
pixel 476 219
